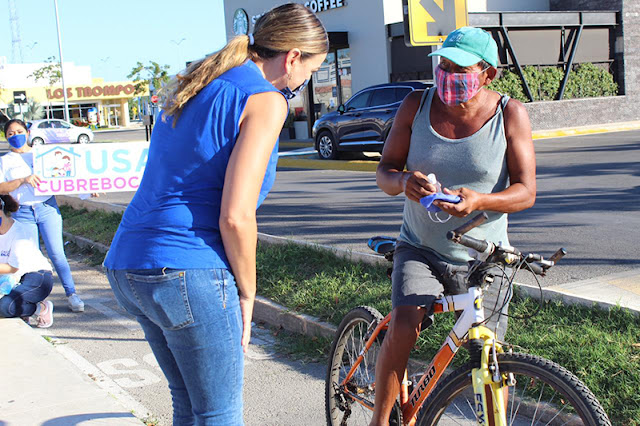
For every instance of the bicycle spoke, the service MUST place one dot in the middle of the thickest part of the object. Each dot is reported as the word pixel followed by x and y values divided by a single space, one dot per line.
pixel 535 413
pixel 459 411
pixel 557 414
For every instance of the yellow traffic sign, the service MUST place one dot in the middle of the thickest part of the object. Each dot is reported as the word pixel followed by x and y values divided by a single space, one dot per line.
pixel 428 22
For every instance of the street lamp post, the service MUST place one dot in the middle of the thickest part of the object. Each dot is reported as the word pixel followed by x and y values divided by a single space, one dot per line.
pixel 177 43
pixel 31 46
pixel 64 89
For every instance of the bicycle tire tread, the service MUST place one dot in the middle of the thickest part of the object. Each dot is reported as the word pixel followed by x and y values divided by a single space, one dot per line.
pixel 582 392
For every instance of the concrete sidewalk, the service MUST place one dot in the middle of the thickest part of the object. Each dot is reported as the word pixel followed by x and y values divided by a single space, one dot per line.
pixel 41 387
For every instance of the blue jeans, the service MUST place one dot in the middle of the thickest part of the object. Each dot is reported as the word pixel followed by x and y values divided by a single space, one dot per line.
pixel 45 217
pixel 23 300
pixel 192 321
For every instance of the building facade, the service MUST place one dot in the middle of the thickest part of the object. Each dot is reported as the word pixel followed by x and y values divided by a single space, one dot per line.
pixel 367 45
pixel 111 99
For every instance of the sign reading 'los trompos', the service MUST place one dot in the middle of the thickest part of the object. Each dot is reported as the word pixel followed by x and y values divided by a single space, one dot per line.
pixel 82 169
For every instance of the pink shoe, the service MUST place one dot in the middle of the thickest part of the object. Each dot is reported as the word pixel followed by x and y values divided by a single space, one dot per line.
pixel 45 319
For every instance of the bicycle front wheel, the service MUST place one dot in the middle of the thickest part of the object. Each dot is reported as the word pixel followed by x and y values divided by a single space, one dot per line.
pixel 544 394
pixel 352 403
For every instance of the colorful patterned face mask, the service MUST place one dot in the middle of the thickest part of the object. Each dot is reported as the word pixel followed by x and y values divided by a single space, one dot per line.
pixel 456 88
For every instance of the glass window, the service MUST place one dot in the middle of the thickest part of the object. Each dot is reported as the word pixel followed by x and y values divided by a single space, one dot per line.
pixel 401 93
pixel 359 101
pixel 344 71
pixel 383 97
pixel 63 125
pixel 44 125
pixel 325 86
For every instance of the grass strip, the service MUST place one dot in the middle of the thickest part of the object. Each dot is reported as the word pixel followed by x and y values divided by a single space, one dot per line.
pixel 602 347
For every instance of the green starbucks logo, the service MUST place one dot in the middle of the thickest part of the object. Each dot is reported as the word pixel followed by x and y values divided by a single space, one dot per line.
pixel 240 22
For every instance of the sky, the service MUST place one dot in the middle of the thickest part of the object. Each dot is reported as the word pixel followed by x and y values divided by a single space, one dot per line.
pixel 113 35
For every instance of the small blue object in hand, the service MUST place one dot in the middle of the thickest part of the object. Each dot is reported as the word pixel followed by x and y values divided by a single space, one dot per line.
pixel 427 201
pixel 7 283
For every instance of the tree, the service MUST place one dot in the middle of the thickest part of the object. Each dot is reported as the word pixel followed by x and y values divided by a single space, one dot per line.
pixel 51 72
pixel 149 76
pixel 34 110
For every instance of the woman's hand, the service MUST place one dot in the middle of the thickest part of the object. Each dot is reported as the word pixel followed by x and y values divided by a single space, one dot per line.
pixel 416 186
pixel 246 307
pixel 470 201
pixel 33 180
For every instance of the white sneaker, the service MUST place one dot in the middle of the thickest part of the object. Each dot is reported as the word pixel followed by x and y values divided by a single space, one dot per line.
pixel 75 303
pixel 45 318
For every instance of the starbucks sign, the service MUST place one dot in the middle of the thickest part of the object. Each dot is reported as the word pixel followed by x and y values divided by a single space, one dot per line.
pixel 240 22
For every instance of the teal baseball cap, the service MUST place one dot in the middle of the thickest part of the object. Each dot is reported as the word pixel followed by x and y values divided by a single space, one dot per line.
pixel 467 46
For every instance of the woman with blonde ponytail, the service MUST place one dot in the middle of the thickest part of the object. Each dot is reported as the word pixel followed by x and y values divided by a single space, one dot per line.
pixel 183 258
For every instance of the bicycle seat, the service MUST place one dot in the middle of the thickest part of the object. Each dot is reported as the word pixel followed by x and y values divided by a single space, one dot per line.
pixel 382 244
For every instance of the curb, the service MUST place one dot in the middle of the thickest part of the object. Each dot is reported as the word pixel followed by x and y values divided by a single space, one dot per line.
pixel 279 316
pixel 550 294
pixel 264 310
pixel 309 163
pixel 586 130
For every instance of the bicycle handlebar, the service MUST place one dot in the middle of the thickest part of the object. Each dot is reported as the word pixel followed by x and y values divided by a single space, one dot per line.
pixel 536 263
pixel 478 245
pixel 476 221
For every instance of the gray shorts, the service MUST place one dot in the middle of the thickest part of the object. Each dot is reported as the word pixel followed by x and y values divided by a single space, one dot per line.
pixel 419 277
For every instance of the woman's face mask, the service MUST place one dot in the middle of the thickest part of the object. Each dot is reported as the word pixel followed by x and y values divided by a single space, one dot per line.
pixel 18 140
pixel 290 94
pixel 456 88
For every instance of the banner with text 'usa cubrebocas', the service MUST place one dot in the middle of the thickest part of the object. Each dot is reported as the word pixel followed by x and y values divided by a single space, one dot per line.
pixel 89 168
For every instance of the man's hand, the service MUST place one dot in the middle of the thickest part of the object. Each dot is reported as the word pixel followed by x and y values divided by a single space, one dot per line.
pixel 246 307
pixel 469 202
pixel 416 186
pixel 33 180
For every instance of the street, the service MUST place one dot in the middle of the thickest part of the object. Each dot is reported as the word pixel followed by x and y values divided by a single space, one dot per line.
pixel 588 201
pixel 119 135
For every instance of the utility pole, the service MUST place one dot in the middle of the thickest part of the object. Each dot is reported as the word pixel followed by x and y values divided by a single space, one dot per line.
pixel 16 42
pixel 64 89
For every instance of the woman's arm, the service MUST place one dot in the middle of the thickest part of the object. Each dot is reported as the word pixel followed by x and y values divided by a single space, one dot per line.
pixel 260 126
pixel 5 268
pixel 12 185
pixel 521 162
pixel 390 175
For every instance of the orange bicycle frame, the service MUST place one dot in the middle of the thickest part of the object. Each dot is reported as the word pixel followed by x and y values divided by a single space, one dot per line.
pixel 471 305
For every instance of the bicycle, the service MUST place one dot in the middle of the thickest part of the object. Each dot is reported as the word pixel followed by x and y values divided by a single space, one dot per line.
pixel 496 387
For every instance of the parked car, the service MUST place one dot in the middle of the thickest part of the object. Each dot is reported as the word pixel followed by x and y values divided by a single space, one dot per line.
pixel 364 121
pixel 58 131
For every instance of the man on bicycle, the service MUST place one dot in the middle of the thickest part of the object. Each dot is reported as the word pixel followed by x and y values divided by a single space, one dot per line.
pixel 478 145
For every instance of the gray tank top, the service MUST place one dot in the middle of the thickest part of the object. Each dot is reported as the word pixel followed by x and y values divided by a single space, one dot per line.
pixel 477 162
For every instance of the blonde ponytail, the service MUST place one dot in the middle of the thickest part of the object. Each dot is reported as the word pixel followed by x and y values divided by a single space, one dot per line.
pixel 202 72
pixel 278 31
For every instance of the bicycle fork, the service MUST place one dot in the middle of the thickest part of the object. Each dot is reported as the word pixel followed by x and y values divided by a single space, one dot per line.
pixel 490 388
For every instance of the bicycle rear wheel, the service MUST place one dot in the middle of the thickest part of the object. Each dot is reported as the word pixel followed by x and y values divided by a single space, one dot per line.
pixel 544 394
pixel 341 407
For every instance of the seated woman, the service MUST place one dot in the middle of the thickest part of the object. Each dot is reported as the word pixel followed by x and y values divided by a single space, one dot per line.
pixel 21 258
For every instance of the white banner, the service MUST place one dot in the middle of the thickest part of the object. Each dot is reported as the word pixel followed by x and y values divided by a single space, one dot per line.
pixel 88 168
